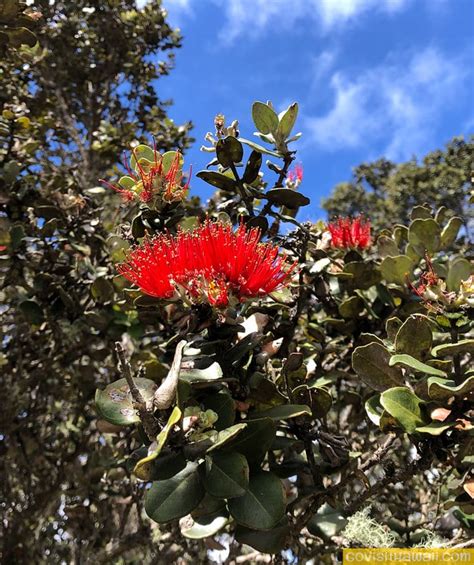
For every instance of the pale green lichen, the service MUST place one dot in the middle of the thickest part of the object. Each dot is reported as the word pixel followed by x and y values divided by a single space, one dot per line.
pixel 363 530
pixel 431 540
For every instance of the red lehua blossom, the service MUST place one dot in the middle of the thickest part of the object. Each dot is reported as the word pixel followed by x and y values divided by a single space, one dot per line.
pixel 296 174
pixel 212 263
pixel 151 180
pixel 350 233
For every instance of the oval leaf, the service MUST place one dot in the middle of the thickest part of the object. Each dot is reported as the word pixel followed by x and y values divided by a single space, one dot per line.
pixel 287 121
pixel 264 117
pixel 175 497
pixel 200 528
pixel 283 412
pixel 414 337
pixel 371 363
pixel 404 406
pixel 412 363
pixel 218 180
pixel 253 167
pixel 287 197
pixel 425 234
pixel 115 403
pixel 227 475
pixel 255 440
pixel 229 151
pixel 397 269
pixel 263 505
pixel 449 349
pixel 442 389
pixel 271 541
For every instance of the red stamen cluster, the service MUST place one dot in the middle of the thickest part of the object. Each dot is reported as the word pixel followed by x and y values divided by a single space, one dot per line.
pixel 428 278
pixel 349 233
pixel 152 180
pixel 296 174
pixel 211 264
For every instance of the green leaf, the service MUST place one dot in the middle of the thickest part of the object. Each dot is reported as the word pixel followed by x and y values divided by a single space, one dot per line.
pixel 374 409
pixel 167 465
pixel 404 406
pixel 115 403
pixel 21 36
pixel 218 180
pixel 229 151
pixel 203 527
pixel 442 389
pixel 412 363
pixel 227 475
pixel 263 505
pixel 414 337
pixel 450 349
pixel 223 405
pixel 364 274
pixel 175 497
pixel 102 289
pixel 271 541
pixel 283 412
pixel 255 440
pixel 259 148
pixel 459 270
pixel 435 428
pixel 227 435
pixel 265 118
pixel 144 468
pixel 141 152
pixel 397 269
pixel 287 197
pixel 450 231
pixel 211 373
pixel 32 312
pixel 420 212
pixel 252 168
pixel 168 158
pixel 351 307
pixel 371 363
pixel 425 234
pixel 127 182
pixel 287 121
pixel 392 327
pixel 387 247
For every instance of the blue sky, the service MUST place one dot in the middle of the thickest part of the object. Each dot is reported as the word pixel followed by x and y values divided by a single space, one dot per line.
pixel 372 77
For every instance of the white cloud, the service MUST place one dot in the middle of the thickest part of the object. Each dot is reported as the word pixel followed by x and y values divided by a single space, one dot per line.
pixel 396 105
pixel 253 16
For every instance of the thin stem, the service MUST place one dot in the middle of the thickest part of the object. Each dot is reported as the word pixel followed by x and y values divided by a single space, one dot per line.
pixel 248 202
pixel 125 369
pixel 149 422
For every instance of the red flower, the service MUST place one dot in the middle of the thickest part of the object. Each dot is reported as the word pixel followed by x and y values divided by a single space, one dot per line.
pixel 211 264
pixel 350 233
pixel 296 174
pixel 428 279
pixel 151 180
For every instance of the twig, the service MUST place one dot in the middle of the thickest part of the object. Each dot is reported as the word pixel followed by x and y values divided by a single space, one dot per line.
pixel 379 453
pixel 150 423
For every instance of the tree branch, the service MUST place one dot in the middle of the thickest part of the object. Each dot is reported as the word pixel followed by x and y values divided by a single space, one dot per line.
pixel 150 423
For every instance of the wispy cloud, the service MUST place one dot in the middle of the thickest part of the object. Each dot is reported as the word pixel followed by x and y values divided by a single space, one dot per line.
pixel 396 105
pixel 250 17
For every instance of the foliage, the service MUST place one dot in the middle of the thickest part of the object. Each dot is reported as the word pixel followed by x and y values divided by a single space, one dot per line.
pixel 69 106
pixel 274 417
